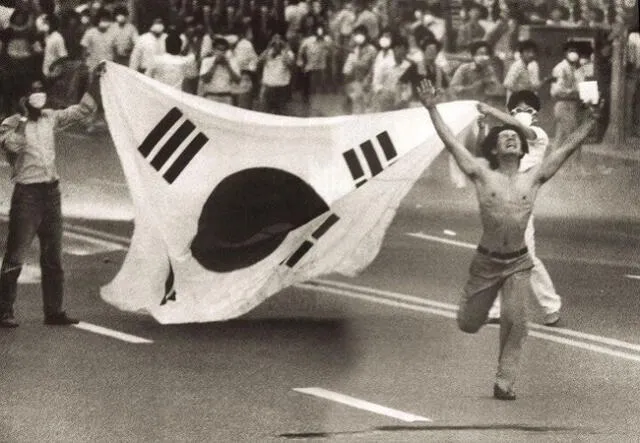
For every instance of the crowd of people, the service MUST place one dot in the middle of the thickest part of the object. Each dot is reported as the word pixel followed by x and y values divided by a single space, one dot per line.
pixel 259 55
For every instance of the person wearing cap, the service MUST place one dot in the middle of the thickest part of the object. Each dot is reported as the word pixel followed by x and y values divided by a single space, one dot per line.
pixel 357 69
pixel 523 107
pixel 218 72
pixel 564 89
pixel 524 73
pixel 171 68
pixel 148 46
pixel 247 61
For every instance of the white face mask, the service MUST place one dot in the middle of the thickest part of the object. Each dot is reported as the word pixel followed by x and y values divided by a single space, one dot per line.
pixel 385 42
pixel 427 19
pixel 481 59
pixel 359 39
pixel 320 32
pixel 84 20
pixel 103 26
pixel 157 28
pixel 121 19
pixel 525 118
pixel 573 57
pixel 37 100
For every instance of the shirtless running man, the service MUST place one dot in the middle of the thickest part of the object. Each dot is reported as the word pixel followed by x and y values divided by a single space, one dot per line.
pixel 505 196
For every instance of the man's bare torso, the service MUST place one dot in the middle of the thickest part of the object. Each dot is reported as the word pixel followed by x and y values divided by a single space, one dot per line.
pixel 506 204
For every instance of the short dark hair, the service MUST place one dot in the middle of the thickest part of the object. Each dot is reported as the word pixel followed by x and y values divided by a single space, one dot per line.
pixel 429 41
pixel 220 41
pixel 526 45
pixel 491 141
pixel 173 43
pixel 361 29
pixel 476 45
pixel 103 14
pixel 570 44
pixel 121 10
pixel 524 96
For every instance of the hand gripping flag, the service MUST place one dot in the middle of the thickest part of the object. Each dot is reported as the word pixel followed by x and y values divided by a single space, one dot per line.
pixel 232 206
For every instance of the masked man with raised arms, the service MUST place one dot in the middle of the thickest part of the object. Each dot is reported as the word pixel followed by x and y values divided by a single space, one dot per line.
pixel 28 141
pixel 502 261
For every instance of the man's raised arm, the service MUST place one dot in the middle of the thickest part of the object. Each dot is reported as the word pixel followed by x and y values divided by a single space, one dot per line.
pixel 467 162
pixel 552 162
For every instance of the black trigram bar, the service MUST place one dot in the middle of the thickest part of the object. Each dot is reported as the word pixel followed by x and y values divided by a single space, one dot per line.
pixel 372 158
pixel 300 252
pixel 387 145
pixel 354 165
pixel 325 226
pixel 159 131
pixel 185 157
pixel 172 144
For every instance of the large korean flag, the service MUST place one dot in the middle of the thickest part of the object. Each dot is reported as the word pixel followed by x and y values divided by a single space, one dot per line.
pixel 232 206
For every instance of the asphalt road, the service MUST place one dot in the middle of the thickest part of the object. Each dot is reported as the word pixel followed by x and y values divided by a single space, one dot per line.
pixel 386 337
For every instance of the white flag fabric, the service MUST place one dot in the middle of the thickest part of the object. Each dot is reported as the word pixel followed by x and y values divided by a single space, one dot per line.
pixel 232 206
pixel 7 8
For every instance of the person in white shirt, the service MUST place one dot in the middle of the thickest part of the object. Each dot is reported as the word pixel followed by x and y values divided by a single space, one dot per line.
pixel 171 68
pixel 54 46
pixel 98 41
pixel 277 63
pixel 523 107
pixel 383 62
pixel 394 93
pixel 218 72
pixel 632 96
pixel 524 73
pixel 148 46
pixel 357 71
pixel 247 61
pixel 125 35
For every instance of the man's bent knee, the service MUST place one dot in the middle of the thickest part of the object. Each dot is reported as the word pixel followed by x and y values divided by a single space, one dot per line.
pixel 470 326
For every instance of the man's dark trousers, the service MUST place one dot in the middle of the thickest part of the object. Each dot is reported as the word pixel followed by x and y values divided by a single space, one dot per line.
pixel 35 210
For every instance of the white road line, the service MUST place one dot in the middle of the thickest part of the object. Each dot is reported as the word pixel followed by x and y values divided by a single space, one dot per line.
pixel 322 283
pixel 361 404
pixel 381 301
pixel 534 333
pixel 111 333
pixel 588 261
pixel 447 241
pixel 633 277
pixel 108 245
pixel 97 233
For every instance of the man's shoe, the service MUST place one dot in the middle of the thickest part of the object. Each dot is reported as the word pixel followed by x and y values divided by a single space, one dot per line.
pixel 7 321
pixel 551 319
pixel 60 319
pixel 501 394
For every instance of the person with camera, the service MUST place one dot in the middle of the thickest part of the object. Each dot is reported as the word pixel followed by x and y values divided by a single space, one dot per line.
pixel 277 62
pixel 218 72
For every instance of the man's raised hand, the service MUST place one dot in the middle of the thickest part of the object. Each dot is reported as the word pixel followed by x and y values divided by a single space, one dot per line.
pixel 428 94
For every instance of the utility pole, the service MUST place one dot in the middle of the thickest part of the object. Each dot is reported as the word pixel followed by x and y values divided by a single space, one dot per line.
pixel 448 25
pixel 615 130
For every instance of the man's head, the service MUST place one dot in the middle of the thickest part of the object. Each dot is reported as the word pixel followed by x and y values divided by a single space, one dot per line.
pixel 477 12
pixel 360 35
pixel 385 39
pixel 559 13
pixel 481 52
pixel 503 141
pixel 121 14
pixel 103 19
pixel 157 27
pixel 528 50
pixel 524 106
pixel 173 43
pixel 430 48
pixel 572 52
pixel 36 98
pixel 220 46
pixel 400 47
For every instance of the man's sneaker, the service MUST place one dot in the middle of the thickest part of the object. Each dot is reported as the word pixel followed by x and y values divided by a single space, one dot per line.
pixel 501 394
pixel 60 319
pixel 551 319
pixel 7 321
